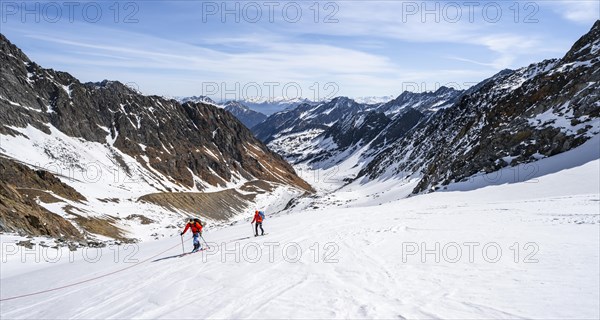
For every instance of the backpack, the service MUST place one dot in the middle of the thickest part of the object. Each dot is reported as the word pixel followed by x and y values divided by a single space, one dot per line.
pixel 261 214
pixel 196 220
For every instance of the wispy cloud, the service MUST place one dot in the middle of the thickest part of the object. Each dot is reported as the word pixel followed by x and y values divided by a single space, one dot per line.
pixel 373 49
pixel 579 11
pixel 265 61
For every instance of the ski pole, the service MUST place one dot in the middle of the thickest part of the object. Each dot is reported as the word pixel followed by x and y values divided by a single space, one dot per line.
pixel 207 247
pixel 182 247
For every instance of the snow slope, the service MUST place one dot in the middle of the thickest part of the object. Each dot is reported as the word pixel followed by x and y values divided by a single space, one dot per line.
pixel 111 191
pixel 370 261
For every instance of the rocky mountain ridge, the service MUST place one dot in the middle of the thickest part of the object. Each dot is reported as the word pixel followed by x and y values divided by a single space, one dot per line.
pixel 514 117
pixel 247 116
pixel 113 145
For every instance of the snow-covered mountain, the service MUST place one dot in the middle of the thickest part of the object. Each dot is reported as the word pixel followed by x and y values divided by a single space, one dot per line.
pixel 263 105
pixel 196 99
pixel 327 133
pixel 512 118
pixel 107 162
pixel 520 117
pixel 424 102
pixel 373 99
pixel 306 116
pixel 273 105
pixel 247 116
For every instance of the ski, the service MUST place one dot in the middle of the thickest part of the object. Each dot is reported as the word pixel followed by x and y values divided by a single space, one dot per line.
pixel 188 253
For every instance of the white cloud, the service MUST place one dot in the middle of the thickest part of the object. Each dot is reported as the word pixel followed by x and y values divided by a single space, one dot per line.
pixel 161 62
pixel 509 43
pixel 579 11
pixel 357 53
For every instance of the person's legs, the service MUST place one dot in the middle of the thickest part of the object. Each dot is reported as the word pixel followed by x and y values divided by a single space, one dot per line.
pixel 196 241
pixel 256 229
pixel 262 231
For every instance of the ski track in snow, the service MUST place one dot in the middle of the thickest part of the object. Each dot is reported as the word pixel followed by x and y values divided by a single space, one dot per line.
pixel 370 279
pixel 555 219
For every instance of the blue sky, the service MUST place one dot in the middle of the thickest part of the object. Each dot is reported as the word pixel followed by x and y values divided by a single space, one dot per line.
pixel 352 48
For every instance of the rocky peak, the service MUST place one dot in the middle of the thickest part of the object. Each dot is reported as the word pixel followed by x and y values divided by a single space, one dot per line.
pixel 429 101
pixel 247 116
pixel 236 104
pixel 512 118
pixel 11 51
pixel 587 47
pixel 175 140
pixel 204 99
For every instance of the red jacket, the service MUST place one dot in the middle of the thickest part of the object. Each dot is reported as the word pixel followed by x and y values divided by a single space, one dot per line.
pixel 257 218
pixel 196 227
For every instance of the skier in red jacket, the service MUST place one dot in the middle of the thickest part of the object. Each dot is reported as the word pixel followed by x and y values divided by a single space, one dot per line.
pixel 258 217
pixel 196 227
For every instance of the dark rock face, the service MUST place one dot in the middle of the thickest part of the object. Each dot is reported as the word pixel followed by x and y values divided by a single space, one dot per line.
pixel 397 128
pixel 352 130
pixel 20 175
pixel 19 210
pixel 541 110
pixel 248 117
pixel 23 215
pixel 179 139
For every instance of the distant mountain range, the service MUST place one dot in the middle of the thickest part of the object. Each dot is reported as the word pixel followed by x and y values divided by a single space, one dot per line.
pixel 247 116
pixel 269 106
pixel 515 117
pixel 254 111
pixel 249 111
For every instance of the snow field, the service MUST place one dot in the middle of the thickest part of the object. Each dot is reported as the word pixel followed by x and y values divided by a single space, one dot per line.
pixel 372 268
